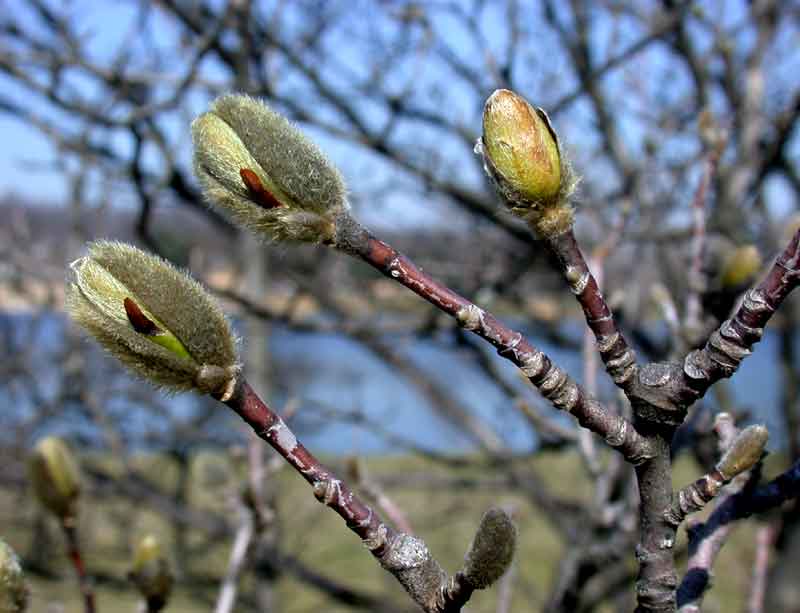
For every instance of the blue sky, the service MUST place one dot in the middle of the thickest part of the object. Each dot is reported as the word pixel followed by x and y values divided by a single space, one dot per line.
pixel 28 161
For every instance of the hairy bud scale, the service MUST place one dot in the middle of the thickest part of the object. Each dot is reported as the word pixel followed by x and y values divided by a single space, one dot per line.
pixel 154 318
pixel 263 172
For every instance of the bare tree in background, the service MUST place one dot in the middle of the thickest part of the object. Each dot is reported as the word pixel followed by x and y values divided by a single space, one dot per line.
pixel 680 117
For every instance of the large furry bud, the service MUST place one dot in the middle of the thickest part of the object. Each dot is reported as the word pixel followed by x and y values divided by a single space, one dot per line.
pixel 263 172
pixel 154 318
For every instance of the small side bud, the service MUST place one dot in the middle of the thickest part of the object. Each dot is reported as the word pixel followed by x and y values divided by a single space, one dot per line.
pixel 55 478
pixel 521 154
pixel 740 267
pixel 13 591
pixel 155 319
pixel 263 172
pixel 151 574
pixel 491 550
pixel 746 449
pixel 789 227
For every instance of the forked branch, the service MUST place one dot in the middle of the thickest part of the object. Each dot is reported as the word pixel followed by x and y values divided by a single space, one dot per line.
pixel 554 383
pixel 403 555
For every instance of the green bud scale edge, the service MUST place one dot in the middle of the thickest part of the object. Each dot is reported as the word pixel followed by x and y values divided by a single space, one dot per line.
pixel 257 167
pixel 154 318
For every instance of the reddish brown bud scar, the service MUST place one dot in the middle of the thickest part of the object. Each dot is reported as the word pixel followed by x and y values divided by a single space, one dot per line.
pixel 139 320
pixel 257 189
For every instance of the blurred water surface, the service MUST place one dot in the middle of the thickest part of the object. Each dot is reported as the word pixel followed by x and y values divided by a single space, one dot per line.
pixel 347 400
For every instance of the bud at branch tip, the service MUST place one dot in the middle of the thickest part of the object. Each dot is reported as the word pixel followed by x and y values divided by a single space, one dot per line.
pixel 154 318
pixel 263 173
pixel 522 156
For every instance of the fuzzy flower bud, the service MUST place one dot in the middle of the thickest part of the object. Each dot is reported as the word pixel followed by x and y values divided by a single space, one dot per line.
pixel 55 477
pixel 154 318
pixel 13 591
pixel 491 550
pixel 262 171
pixel 745 450
pixel 521 154
pixel 740 267
pixel 150 573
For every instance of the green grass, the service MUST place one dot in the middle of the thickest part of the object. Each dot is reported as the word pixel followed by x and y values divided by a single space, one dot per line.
pixel 444 518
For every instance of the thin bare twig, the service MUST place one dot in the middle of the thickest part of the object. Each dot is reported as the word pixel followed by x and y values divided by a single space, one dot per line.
pixel 714 140
pixel 618 357
pixel 765 539
pixel 236 562
pixel 404 556
pixel 372 490
pixel 553 382
pixel 76 557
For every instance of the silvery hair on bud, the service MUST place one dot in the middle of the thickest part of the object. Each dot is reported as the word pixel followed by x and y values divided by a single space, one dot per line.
pixel 113 271
pixel 240 132
pixel 492 549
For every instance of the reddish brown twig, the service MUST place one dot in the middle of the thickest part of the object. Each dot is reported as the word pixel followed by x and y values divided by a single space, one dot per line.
pixel 328 489
pixel 554 383
pixel 618 357
pixel 75 556
pixel 660 392
pixel 403 555
pixel 661 396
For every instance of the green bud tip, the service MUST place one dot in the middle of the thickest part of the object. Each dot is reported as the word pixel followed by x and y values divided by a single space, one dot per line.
pixel 521 154
pixel 263 172
pixel 741 267
pixel 150 571
pixel 491 550
pixel 54 476
pixel 746 449
pixel 154 318
pixel 13 591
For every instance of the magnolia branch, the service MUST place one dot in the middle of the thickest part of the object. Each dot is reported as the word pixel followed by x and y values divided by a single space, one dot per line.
pixel 661 396
pixel 404 556
pixel 553 382
pixel 618 357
